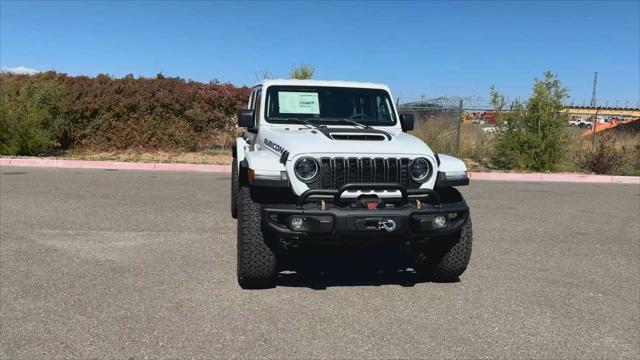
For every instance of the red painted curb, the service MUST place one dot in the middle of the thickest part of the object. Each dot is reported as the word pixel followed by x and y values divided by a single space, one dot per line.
pixel 115 165
pixel 489 176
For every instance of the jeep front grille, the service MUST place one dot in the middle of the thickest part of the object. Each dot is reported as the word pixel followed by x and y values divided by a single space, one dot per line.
pixel 339 171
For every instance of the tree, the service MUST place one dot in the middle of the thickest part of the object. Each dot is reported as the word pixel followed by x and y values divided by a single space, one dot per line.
pixel 533 137
pixel 264 74
pixel 497 101
pixel 302 71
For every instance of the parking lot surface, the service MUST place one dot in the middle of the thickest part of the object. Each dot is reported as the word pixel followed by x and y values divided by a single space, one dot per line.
pixel 136 264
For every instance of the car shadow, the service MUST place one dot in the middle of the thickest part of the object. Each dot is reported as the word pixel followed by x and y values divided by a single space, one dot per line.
pixel 370 265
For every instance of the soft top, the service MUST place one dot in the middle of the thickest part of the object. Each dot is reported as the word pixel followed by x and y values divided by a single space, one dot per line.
pixel 330 83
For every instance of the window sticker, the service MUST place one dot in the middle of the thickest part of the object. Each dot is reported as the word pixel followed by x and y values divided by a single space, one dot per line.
pixel 294 102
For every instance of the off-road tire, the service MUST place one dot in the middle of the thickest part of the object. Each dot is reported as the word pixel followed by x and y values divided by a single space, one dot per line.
pixel 235 187
pixel 256 260
pixel 446 258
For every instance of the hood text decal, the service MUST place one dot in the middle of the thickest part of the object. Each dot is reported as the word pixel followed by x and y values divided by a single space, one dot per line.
pixel 279 149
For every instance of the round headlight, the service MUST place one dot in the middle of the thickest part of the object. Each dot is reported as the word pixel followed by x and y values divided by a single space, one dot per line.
pixel 306 169
pixel 420 169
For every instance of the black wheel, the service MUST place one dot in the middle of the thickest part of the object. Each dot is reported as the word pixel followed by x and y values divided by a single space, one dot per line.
pixel 446 258
pixel 256 260
pixel 235 184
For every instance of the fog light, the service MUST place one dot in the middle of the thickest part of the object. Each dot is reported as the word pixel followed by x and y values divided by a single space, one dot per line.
pixel 439 221
pixel 296 222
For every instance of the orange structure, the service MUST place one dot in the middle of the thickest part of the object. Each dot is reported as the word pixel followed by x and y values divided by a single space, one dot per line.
pixel 602 126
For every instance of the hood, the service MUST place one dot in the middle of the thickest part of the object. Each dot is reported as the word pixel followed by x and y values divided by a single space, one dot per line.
pixel 297 140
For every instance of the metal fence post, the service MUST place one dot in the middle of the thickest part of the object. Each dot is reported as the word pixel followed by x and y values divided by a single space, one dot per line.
pixel 458 127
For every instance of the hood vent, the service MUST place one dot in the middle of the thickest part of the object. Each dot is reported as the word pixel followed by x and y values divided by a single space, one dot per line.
pixel 354 136
pixel 368 134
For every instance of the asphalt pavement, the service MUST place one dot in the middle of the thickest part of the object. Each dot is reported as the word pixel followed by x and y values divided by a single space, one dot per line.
pixel 136 264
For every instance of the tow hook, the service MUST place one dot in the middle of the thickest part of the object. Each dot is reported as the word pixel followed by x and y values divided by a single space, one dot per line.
pixel 387 225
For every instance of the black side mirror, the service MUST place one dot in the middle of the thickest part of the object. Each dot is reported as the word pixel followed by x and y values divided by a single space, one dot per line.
pixel 406 122
pixel 246 118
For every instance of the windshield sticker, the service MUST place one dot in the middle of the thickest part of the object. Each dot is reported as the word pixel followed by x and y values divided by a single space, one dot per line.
pixel 294 102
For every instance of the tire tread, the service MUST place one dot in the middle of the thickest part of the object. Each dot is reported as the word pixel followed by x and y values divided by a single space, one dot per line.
pixel 256 260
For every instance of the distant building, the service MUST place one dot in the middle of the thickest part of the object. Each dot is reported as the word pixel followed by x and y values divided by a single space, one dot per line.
pixel 601 111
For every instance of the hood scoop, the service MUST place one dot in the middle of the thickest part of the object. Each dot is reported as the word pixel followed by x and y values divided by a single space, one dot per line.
pixel 369 134
pixel 357 136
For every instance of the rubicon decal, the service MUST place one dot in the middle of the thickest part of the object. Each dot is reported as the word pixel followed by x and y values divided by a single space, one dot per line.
pixel 279 149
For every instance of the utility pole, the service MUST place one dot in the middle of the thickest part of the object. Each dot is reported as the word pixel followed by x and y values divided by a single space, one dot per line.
pixel 593 93
pixel 593 128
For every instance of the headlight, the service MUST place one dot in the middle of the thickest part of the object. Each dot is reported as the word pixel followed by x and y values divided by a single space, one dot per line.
pixel 306 169
pixel 420 169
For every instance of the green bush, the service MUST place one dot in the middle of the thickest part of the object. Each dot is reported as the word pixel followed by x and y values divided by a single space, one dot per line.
pixel 533 137
pixel 33 115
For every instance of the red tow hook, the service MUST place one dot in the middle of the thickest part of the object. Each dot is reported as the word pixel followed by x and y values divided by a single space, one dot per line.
pixel 371 202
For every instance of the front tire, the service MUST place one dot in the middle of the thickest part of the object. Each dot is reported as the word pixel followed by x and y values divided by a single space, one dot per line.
pixel 235 185
pixel 446 258
pixel 256 260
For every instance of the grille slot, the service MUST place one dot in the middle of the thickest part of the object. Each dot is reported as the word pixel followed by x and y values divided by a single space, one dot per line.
pixel 339 171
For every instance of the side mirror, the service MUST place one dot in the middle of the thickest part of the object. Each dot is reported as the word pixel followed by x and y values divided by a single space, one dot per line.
pixel 246 118
pixel 406 122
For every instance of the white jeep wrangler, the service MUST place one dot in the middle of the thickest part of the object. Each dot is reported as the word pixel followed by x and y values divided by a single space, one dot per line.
pixel 331 161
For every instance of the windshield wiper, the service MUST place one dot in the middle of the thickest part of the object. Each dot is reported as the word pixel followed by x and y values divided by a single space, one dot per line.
pixel 297 120
pixel 328 120
pixel 347 121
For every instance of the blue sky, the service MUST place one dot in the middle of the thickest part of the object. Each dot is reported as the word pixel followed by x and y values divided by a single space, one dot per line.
pixel 430 48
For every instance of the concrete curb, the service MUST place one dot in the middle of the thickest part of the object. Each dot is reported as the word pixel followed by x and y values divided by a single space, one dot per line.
pixel 490 176
pixel 115 165
pixel 541 177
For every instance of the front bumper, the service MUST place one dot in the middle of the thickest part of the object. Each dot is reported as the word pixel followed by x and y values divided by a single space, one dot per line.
pixel 408 217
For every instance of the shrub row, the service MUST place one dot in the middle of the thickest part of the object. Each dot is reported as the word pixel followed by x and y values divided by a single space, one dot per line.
pixel 49 112
pixel 615 153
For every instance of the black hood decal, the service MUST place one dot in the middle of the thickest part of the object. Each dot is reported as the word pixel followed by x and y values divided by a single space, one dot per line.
pixel 366 131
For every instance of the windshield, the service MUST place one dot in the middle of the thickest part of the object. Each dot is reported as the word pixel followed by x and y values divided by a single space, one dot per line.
pixel 319 104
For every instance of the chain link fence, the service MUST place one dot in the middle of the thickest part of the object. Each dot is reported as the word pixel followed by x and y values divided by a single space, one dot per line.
pixel 445 125
pixel 438 121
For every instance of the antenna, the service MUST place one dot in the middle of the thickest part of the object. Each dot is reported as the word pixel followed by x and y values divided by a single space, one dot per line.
pixel 593 94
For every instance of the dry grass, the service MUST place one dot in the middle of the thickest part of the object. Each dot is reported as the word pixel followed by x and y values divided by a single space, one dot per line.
pixel 627 146
pixel 440 134
pixel 476 147
pixel 216 157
